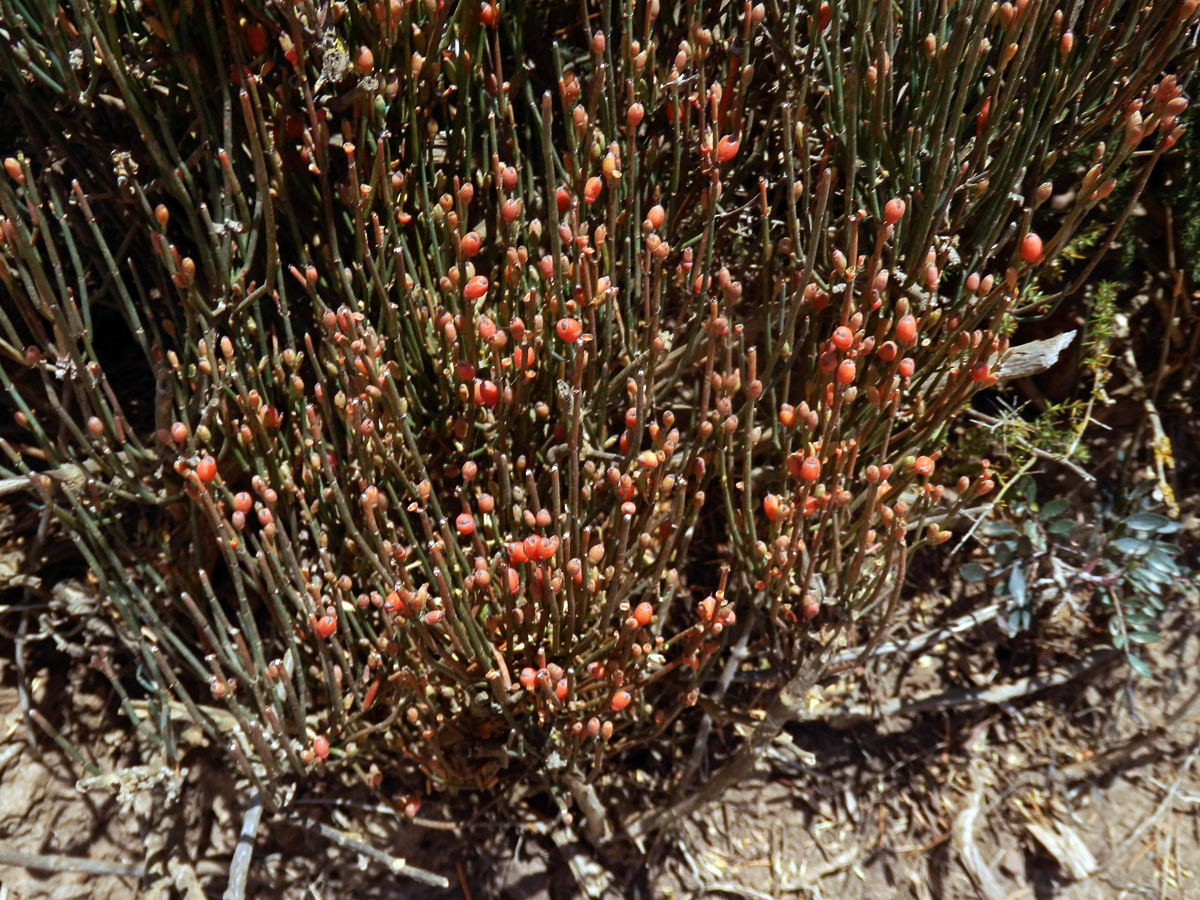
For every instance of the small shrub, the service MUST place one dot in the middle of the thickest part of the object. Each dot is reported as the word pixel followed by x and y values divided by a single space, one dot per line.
pixel 397 368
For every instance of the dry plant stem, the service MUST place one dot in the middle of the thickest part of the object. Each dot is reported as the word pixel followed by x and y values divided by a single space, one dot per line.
pixel 785 707
pixel 964 837
pixel 1064 459
pixel 1159 811
pixel 40 862
pixel 239 866
pixel 966 698
pixel 1013 479
pixel 736 655
pixel 922 641
pixel 391 863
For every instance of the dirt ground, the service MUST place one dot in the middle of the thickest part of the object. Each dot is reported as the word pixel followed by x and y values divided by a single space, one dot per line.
pixel 1087 789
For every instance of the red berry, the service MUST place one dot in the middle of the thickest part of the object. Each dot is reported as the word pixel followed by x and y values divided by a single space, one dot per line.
pixel 321 747
pixel 620 700
pixel 523 358
pixel 470 245
pixel 727 149
pixel 980 372
pixel 179 432
pixel 516 553
pixel 242 502
pixel 1031 248
pixel 656 216
pixel 787 415
pixel 206 469
pixel 887 351
pixel 771 506
pixel 591 190
pixel 906 330
pixel 843 337
pixel 531 547
pixel 528 678
pixel 486 393
pixel 256 37
pixel 569 330
pixel 465 524
pixel 810 469
pixel 846 371
pixel 546 548
pixel 489 15
pixel 326 625
pixel 923 466
pixel 476 287
pixel 364 60
pixel 644 613
pixel 508 178
pixel 893 211
pixel 906 367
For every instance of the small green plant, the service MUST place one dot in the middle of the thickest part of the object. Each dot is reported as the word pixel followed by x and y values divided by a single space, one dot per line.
pixel 1116 561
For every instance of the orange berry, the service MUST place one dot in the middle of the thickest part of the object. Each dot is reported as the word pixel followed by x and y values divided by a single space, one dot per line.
pixel 470 245
pixel 516 552
pixel 727 149
pixel 843 337
pixel 620 700
pixel 906 367
pixel 644 613
pixel 242 502
pixel 906 330
pixel 321 747
pixel 656 216
pixel 923 466
pixel 771 506
pixel 364 60
pixel 465 524
pixel 326 625
pixel 810 469
pixel 476 287
pixel 206 469
pixel 787 415
pixel 846 371
pixel 1031 248
pixel 528 678
pixel 179 432
pixel 591 190
pixel 569 330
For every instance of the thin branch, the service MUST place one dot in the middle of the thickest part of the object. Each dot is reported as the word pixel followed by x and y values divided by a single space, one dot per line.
pixel 46 862
pixel 393 864
pixel 239 866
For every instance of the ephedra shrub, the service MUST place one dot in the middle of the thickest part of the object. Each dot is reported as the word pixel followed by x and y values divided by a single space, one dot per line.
pixel 434 389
